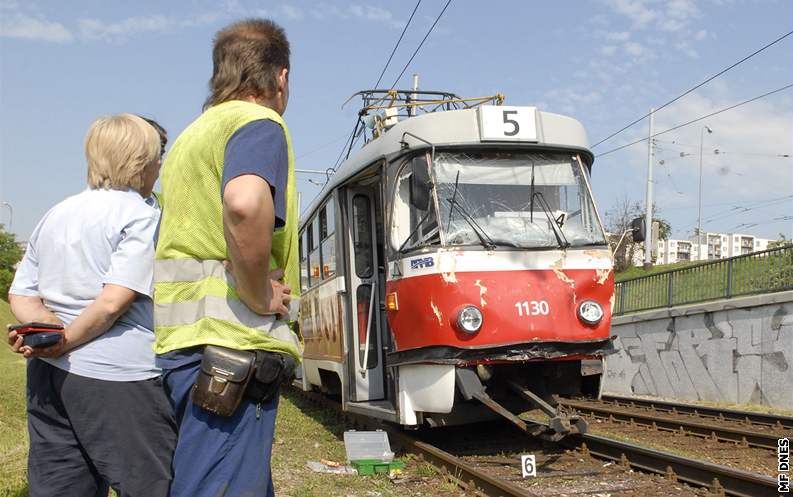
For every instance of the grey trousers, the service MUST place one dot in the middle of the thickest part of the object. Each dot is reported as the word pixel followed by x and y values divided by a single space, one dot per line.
pixel 88 434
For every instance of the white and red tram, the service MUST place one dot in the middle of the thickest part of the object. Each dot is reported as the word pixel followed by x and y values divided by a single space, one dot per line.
pixel 461 244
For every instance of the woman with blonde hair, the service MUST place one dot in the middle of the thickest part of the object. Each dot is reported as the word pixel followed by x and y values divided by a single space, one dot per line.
pixel 97 413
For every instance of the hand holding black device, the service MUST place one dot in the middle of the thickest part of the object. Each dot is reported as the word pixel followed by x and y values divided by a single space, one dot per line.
pixel 38 335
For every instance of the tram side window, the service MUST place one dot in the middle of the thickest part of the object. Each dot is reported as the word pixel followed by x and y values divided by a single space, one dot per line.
pixel 303 261
pixel 362 236
pixel 328 244
pixel 413 221
pixel 313 252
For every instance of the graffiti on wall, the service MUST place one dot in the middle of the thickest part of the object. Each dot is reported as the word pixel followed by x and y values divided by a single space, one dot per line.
pixel 734 355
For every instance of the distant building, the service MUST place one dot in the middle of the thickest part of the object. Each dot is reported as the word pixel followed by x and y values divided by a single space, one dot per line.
pixel 712 246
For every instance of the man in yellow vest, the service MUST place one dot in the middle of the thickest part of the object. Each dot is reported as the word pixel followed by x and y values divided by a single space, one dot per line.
pixel 230 218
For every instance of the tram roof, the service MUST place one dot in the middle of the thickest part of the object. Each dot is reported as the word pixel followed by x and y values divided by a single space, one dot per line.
pixel 451 128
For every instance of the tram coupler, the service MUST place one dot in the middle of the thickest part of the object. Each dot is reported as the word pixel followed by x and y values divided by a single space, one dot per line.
pixel 560 421
pixel 557 428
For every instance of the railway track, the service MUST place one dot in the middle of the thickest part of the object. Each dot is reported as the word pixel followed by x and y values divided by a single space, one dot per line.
pixel 745 417
pixel 480 478
pixel 722 428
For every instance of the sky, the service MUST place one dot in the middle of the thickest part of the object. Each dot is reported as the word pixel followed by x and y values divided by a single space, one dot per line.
pixel 603 62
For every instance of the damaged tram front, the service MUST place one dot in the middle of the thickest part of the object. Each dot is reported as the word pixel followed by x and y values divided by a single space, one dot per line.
pixel 474 276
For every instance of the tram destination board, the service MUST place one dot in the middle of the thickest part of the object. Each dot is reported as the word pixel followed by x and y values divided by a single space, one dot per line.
pixel 507 123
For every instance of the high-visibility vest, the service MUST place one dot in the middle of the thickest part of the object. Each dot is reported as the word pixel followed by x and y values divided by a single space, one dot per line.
pixel 195 301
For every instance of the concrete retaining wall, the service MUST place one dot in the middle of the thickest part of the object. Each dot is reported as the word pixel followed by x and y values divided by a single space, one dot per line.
pixel 735 351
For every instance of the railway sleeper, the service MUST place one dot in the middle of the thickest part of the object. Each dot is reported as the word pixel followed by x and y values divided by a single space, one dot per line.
pixel 560 423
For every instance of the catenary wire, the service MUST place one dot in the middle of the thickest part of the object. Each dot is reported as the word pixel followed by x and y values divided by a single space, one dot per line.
pixel 421 44
pixel 695 87
pixel 699 119
pixel 397 44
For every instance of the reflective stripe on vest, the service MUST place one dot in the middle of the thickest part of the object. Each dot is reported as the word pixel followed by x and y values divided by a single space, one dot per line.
pixel 187 275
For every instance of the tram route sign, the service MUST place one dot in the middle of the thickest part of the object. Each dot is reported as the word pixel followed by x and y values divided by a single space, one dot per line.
pixel 507 123
pixel 528 465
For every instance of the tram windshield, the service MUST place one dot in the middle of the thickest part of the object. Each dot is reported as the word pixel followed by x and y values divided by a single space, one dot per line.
pixel 519 199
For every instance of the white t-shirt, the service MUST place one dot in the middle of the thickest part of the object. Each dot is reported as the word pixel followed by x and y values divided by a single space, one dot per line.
pixel 86 241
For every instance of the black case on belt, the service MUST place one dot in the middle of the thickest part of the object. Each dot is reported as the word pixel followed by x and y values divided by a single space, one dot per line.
pixel 222 379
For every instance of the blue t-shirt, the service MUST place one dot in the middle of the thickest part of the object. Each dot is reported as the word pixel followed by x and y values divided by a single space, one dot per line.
pixel 94 238
pixel 257 148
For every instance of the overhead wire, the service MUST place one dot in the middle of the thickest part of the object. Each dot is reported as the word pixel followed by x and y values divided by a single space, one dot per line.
pixel 420 44
pixel 397 44
pixel 696 87
pixel 350 141
pixel 698 119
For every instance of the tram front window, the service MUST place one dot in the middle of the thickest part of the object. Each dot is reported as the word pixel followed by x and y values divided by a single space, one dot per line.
pixel 512 199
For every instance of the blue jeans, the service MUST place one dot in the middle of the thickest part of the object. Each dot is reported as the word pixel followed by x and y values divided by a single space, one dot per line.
pixel 219 456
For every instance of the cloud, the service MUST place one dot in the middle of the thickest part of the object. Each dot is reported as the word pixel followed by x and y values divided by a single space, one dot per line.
pixel 374 14
pixel 744 171
pixel 618 36
pixel 608 50
pixel 25 27
pixel 292 13
pixel 635 49
pixel 94 29
pixel 670 19
pixel 569 100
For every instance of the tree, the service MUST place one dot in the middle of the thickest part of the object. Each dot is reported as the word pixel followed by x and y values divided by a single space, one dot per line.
pixel 618 222
pixel 10 254
pixel 780 242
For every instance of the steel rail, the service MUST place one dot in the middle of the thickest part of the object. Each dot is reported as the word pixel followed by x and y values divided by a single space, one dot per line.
pixel 773 420
pixel 723 433
pixel 466 475
pixel 734 482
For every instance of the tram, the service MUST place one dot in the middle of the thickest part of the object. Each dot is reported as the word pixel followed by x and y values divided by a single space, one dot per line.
pixel 455 267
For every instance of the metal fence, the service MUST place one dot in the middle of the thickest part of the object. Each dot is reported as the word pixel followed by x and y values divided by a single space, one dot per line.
pixel 758 272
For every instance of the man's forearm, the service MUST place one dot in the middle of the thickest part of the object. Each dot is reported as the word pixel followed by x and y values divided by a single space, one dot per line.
pixel 248 222
pixel 28 309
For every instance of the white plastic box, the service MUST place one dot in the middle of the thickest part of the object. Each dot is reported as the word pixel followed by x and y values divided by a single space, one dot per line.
pixel 367 445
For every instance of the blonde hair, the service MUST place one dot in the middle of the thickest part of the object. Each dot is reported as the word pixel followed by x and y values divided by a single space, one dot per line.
pixel 118 150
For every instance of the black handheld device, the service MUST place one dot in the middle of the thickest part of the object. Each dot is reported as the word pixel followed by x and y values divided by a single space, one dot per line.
pixel 38 335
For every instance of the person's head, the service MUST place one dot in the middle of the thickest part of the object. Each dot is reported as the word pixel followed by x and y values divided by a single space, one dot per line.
pixel 160 131
pixel 250 62
pixel 123 152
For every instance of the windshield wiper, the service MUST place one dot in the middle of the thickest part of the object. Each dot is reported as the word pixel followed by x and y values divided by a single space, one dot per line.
pixel 557 230
pixel 484 238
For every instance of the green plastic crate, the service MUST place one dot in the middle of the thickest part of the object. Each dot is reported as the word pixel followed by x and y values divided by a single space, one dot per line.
pixel 366 467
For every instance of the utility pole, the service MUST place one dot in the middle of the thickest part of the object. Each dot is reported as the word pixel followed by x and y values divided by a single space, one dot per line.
pixel 699 210
pixel 648 217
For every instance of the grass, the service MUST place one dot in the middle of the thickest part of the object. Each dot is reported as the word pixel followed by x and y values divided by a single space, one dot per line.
pixel 698 282
pixel 13 423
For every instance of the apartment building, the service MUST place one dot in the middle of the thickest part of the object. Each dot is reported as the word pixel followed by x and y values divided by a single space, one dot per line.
pixel 712 246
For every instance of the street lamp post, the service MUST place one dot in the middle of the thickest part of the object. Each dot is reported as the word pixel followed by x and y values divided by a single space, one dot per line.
pixel 699 215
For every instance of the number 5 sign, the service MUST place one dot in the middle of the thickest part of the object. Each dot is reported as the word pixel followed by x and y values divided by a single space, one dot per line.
pixel 502 123
pixel 528 465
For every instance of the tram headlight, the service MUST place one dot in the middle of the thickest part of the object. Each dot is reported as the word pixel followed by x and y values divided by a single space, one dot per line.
pixel 469 319
pixel 590 312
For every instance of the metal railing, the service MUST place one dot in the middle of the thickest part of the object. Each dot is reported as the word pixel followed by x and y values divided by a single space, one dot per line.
pixel 758 272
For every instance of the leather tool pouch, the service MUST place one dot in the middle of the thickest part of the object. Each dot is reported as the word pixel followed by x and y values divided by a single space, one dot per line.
pixel 272 370
pixel 223 379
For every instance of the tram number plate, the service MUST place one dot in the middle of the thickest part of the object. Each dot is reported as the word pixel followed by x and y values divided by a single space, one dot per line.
pixel 505 123
pixel 528 465
pixel 533 308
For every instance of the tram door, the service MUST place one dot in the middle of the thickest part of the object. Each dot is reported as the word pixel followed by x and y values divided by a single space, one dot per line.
pixel 366 352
